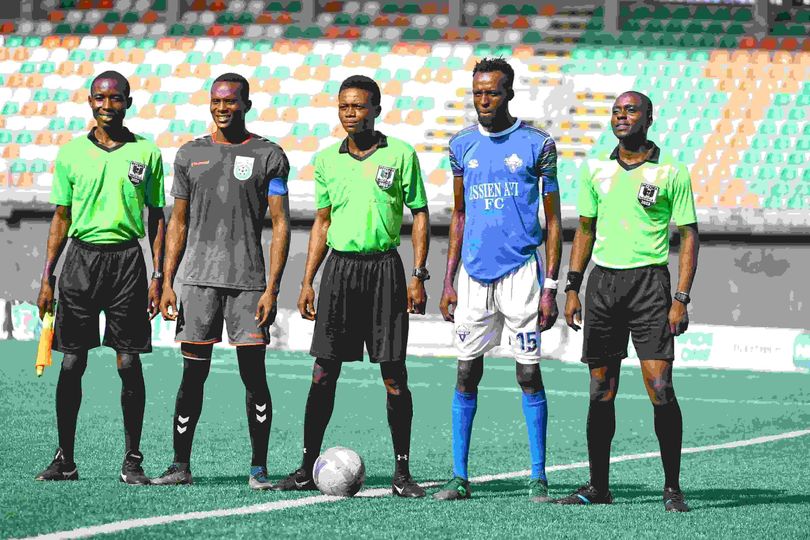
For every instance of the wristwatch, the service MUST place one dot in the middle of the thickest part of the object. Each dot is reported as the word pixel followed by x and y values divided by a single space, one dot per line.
pixel 682 297
pixel 421 274
pixel 157 275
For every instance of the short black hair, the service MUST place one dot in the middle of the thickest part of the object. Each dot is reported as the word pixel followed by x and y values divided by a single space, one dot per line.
pixel 114 75
pixel 362 82
pixel 488 65
pixel 235 78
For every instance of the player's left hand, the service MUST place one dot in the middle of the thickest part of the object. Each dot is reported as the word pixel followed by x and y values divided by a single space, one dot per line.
pixel 678 318
pixel 417 297
pixel 266 310
pixel 548 309
pixel 155 286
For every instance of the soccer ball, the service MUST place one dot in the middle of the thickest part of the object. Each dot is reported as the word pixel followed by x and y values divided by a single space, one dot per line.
pixel 339 471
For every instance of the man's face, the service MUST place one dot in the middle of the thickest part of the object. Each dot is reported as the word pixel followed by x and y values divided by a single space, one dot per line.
pixel 228 108
pixel 629 117
pixel 108 102
pixel 355 110
pixel 490 96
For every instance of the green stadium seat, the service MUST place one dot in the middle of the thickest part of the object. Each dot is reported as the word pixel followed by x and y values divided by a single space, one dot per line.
pixel 781 143
pixel 163 70
pixel 803 144
pixel 382 75
pixel 528 10
pixel 434 62
pixel 788 174
pixel 694 27
pixel 674 26
pixel 321 130
pixel 402 75
pixel 362 20
pixel 97 56
pixel 688 40
pixel 301 100
pixel 180 98
pixel 411 34
pixel 274 7
pixel 681 13
pixel 744 172
pixel 194 58
pixel 18 167
pixel 111 17
pixel 774 113
pixel 24 137
pixel 727 42
pixel 751 158
pixel 632 26
pixel 774 158
pixel 177 126
pixel 197 127
pixel 81 29
pixel 77 124
pixel 432 34
pixel 390 8
pixel 130 17
pixel 768 173
pixel 160 98
pixel 281 100
pixel 127 43
pixel 642 12
pixel 455 63
pixel 213 58
pixel 342 19
pixel 803 100
pixel 654 26
pixel 27 68
pixel 41 96
pixel 595 23
pixel 143 70
pixel 425 103
pixel 508 9
pixel 742 15
pixel 735 29
pixel 767 127
pixel 38 166
pixel 11 108
pixel 159 5
pixel 481 22
pixel 196 30
pixel 5 136
pixel 293 32
pixel 32 42
pixel 281 72
pixel 294 7
pixel 797 114
pixel 404 102
pixel 61 96
pixel 245 18
pixel 176 30
pixel 313 60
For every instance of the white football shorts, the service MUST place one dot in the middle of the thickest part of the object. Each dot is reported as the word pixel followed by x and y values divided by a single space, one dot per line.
pixel 512 301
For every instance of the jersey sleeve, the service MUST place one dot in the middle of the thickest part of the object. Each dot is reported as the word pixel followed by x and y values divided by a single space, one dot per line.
pixel 155 195
pixel 278 172
pixel 683 202
pixel 546 167
pixel 62 188
pixel 587 200
pixel 181 187
pixel 413 188
pixel 456 163
pixel 322 199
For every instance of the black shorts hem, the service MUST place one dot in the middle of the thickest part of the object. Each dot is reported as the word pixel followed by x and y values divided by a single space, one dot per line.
pixel 333 358
pixel 603 360
pixel 130 350
pixel 655 357
pixel 73 350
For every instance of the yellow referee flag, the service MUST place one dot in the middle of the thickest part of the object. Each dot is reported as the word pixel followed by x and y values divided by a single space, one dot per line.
pixel 45 340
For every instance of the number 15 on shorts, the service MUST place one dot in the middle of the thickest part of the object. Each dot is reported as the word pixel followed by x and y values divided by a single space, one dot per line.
pixel 526 341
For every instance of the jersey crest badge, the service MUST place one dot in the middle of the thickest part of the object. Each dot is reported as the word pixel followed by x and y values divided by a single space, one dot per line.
pixel 473 164
pixel 462 332
pixel 385 176
pixel 513 162
pixel 647 194
pixel 243 167
pixel 137 172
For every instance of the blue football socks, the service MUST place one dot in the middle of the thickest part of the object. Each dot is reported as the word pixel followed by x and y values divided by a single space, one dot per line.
pixel 464 407
pixel 536 412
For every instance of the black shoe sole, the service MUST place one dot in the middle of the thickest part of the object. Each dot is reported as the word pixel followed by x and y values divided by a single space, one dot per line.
pixel 123 479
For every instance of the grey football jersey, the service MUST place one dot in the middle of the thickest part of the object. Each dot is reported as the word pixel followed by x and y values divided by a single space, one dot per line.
pixel 227 186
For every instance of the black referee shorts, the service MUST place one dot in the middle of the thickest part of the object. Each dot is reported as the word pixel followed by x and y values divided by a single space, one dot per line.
pixel 362 300
pixel 621 303
pixel 109 278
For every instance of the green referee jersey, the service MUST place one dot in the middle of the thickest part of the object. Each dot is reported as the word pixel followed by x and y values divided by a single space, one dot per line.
pixel 367 195
pixel 106 189
pixel 633 206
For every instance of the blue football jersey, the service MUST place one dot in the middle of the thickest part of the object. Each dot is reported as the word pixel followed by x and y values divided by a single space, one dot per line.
pixel 504 175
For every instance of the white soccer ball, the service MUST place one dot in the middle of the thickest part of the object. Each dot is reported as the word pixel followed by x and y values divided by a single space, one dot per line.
pixel 339 471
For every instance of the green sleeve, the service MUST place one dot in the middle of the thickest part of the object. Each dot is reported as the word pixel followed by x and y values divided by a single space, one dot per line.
pixel 322 199
pixel 587 201
pixel 683 202
pixel 62 188
pixel 413 188
pixel 155 196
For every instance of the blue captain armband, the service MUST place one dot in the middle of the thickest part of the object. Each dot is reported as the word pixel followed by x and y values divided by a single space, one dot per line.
pixel 277 186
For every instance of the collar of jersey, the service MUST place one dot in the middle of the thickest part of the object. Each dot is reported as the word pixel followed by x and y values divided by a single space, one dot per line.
pixel 128 137
pixel 655 155
pixel 382 142
pixel 507 131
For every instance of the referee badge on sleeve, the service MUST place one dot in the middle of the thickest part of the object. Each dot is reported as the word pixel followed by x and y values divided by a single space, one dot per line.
pixel 385 176
pixel 137 172
pixel 647 195
pixel 243 167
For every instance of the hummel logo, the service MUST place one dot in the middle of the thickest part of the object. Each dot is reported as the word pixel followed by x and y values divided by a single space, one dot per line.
pixel 261 408
pixel 181 430
pixel 261 418
pixel 183 419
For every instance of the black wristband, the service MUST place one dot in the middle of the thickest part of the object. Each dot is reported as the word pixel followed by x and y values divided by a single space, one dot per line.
pixel 573 281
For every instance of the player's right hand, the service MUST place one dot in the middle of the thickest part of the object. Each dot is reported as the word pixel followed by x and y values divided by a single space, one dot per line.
pixel 306 303
pixel 45 298
pixel 447 305
pixel 573 310
pixel 168 304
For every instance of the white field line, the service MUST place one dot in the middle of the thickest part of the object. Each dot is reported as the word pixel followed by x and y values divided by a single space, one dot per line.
pixel 127 524
pixel 549 391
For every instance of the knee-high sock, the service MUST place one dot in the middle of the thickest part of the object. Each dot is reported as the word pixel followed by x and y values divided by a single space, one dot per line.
pixel 400 417
pixel 188 407
pixel 669 430
pixel 535 411
pixel 258 404
pixel 68 400
pixel 133 399
pixel 464 406
pixel 601 427
pixel 318 412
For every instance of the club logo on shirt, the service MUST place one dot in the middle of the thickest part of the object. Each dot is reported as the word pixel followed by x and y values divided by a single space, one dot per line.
pixel 462 332
pixel 137 171
pixel 473 164
pixel 647 195
pixel 243 167
pixel 513 162
pixel 385 176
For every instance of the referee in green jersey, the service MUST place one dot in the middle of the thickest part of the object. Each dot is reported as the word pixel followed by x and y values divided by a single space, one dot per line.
pixel 626 202
pixel 361 185
pixel 101 183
